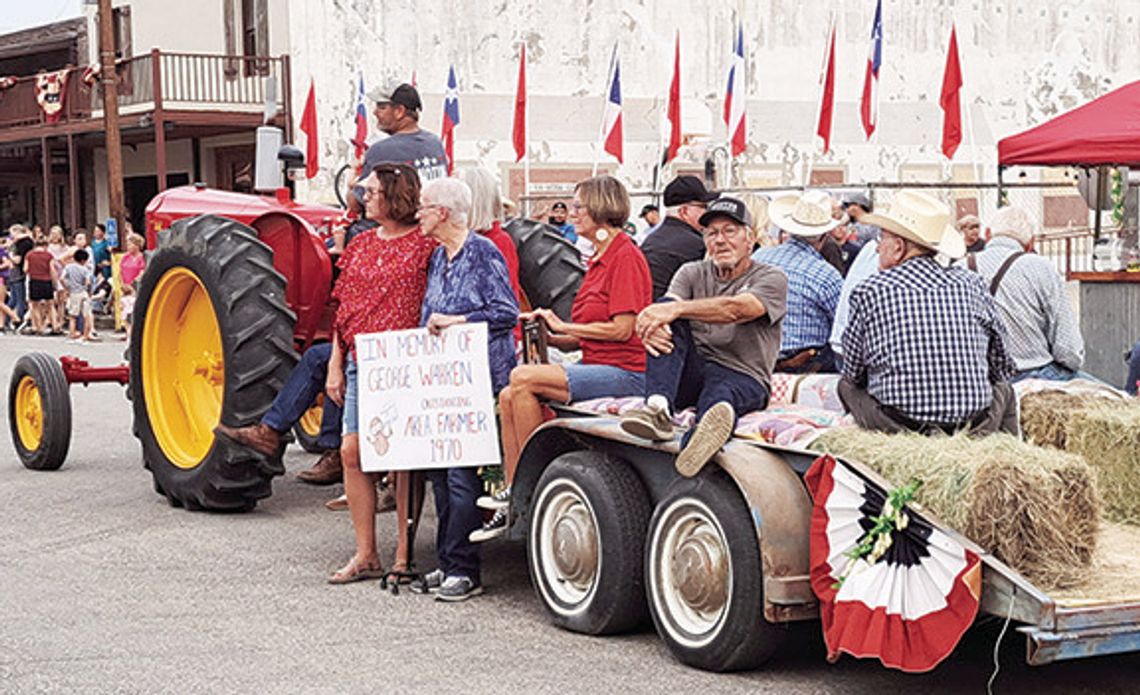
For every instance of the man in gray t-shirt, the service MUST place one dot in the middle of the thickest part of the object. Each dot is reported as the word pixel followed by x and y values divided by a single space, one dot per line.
pixel 712 339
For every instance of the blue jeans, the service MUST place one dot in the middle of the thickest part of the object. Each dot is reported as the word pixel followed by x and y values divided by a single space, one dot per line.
pixel 18 297
pixel 456 490
pixel 685 377
pixel 589 381
pixel 1052 372
pixel 305 383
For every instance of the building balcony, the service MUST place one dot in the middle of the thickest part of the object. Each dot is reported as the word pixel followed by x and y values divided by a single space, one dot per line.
pixel 187 88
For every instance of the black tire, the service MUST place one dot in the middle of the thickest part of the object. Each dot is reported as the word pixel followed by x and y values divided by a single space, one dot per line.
pixel 302 432
pixel 51 419
pixel 340 183
pixel 708 508
pixel 550 268
pixel 254 329
pixel 606 501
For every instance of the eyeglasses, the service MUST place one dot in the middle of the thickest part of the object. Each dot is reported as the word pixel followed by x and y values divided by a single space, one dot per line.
pixel 576 206
pixel 728 231
pixel 429 206
pixel 370 193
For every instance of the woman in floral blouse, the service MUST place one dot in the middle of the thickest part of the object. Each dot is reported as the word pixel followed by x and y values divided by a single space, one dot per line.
pixel 381 288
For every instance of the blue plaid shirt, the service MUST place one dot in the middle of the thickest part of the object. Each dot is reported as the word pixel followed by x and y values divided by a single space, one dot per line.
pixel 475 284
pixel 927 341
pixel 813 293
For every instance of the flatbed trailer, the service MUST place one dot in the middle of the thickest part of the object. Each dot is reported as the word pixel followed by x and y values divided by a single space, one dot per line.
pixel 716 602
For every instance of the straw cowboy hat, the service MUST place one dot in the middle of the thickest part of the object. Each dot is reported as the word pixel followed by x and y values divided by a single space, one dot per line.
pixel 923 219
pixel 804 215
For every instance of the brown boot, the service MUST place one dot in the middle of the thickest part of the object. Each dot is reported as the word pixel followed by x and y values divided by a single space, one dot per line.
pixel 326 471
pixel 261 438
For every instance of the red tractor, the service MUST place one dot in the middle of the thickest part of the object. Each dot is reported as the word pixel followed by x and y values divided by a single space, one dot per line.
pixel 238 285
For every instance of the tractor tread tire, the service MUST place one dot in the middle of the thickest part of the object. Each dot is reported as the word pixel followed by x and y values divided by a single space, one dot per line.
pixel 550 268
pixel 622 509
pixel 55 399
pixel 256 329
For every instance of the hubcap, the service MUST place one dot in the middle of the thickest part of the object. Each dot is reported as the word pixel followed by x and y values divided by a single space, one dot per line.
pixel 183 369
pixel 566 546
pixel 690 572
pixel 29 414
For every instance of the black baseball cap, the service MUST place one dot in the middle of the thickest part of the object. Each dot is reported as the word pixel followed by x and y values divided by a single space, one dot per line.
pixel 648 209
pixel 727 207
pixel 558 206
pixel 860 199
pixel 404 95
pixel 687 189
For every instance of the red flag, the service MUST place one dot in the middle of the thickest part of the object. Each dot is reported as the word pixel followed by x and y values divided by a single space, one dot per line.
pixel 827 96
pixel 674 112
pixel 309 128
pixel 951 109
pixel 518 134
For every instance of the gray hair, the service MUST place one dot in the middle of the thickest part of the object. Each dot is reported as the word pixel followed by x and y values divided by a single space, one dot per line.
pixel 486 202
pixel 1014 222
pixel 450 193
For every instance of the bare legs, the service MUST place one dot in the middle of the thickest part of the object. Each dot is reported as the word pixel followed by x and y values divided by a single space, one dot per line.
pixel 520 409
pixel 360 487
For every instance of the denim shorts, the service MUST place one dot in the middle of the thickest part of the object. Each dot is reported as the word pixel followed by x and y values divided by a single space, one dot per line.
pixel 589 381
pixel 350 425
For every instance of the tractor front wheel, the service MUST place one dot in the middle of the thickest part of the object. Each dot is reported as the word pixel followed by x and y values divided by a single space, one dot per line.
pixel 39 412
pixel 212 342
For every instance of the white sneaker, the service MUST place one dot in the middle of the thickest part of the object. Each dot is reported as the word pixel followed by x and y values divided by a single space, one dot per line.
pixel 499 500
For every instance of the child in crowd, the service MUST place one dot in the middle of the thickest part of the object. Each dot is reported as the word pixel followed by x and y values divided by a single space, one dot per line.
pixel 127 308
pixel 77 278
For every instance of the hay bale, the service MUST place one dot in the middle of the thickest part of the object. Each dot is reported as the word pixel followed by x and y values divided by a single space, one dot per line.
pixel 1037 510
pixel 1107 435
pixel 1045 415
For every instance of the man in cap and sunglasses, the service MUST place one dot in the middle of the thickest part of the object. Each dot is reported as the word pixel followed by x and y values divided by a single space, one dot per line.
pixel 677 240
pixel 712 340
pixel 924 349
pixel 813 283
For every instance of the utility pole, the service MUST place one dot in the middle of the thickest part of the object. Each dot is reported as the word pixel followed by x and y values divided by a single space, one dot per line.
pixel 111 116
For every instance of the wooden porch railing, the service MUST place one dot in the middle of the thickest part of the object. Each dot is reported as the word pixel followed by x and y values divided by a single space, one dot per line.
pixel 187 81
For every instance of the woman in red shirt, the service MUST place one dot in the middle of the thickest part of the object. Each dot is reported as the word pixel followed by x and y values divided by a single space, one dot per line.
pixel 616 287
pixel 381 288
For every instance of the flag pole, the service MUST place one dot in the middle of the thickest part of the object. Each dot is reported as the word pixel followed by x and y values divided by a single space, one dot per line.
pixel 526 137
pixel 978 171
pixel 728 124
pixel 819 102
pixel 605 104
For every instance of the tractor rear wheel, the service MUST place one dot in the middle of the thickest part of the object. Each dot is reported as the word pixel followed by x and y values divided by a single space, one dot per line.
pixel 212 342
pixel 308 428
pixel 550 268
pixel 39 411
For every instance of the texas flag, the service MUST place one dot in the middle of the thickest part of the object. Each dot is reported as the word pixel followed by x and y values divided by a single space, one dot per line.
pixel 869 104
pixel 361 119
pixel 612 129
pixel 735 96
pixel 450 118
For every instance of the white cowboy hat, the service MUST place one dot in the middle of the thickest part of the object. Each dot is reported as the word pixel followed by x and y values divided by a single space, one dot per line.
pixel 803 215
pixel 923 219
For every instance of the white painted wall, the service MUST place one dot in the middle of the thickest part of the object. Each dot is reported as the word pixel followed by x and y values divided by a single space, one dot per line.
pixel 139 161
pixel 1023 62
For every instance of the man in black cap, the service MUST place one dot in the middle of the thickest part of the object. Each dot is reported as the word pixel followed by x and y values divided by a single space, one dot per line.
pixel 677 240
pixel 651 214
pixel 712 339
pixel 397 113
pixel 557 219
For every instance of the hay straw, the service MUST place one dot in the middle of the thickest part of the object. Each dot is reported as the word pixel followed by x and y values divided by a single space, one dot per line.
pixel 1107 434
pixel 1115 574
pixel 1045 414
pixel 1037 510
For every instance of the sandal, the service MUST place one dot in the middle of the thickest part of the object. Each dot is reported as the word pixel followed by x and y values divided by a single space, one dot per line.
pixel 354 572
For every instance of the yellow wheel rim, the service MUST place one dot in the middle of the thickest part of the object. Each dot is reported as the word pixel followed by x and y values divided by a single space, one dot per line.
pixel 311 420
pixel 183 373
pixel 29 414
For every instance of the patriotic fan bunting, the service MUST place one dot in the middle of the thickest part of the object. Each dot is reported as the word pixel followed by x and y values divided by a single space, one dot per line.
pixel 909 598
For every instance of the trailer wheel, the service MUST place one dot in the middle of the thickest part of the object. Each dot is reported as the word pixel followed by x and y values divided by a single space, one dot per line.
pixel 704 576
pixel 39 412
pixel 550 268
pixel 588 523
pixel 308 428
pixel 213 343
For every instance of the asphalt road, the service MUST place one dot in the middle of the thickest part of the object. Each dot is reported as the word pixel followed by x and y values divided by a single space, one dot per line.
pixel 106 588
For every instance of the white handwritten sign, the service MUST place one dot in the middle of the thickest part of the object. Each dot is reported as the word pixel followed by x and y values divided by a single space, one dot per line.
pixel 425 401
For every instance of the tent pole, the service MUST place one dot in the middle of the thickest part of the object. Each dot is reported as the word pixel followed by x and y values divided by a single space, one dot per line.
pixel 1101 171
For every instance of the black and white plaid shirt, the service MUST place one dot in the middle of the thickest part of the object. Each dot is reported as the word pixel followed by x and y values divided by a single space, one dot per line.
pixel 926 341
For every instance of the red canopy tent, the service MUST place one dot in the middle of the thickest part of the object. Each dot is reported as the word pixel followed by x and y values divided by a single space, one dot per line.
pixel 1104 131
